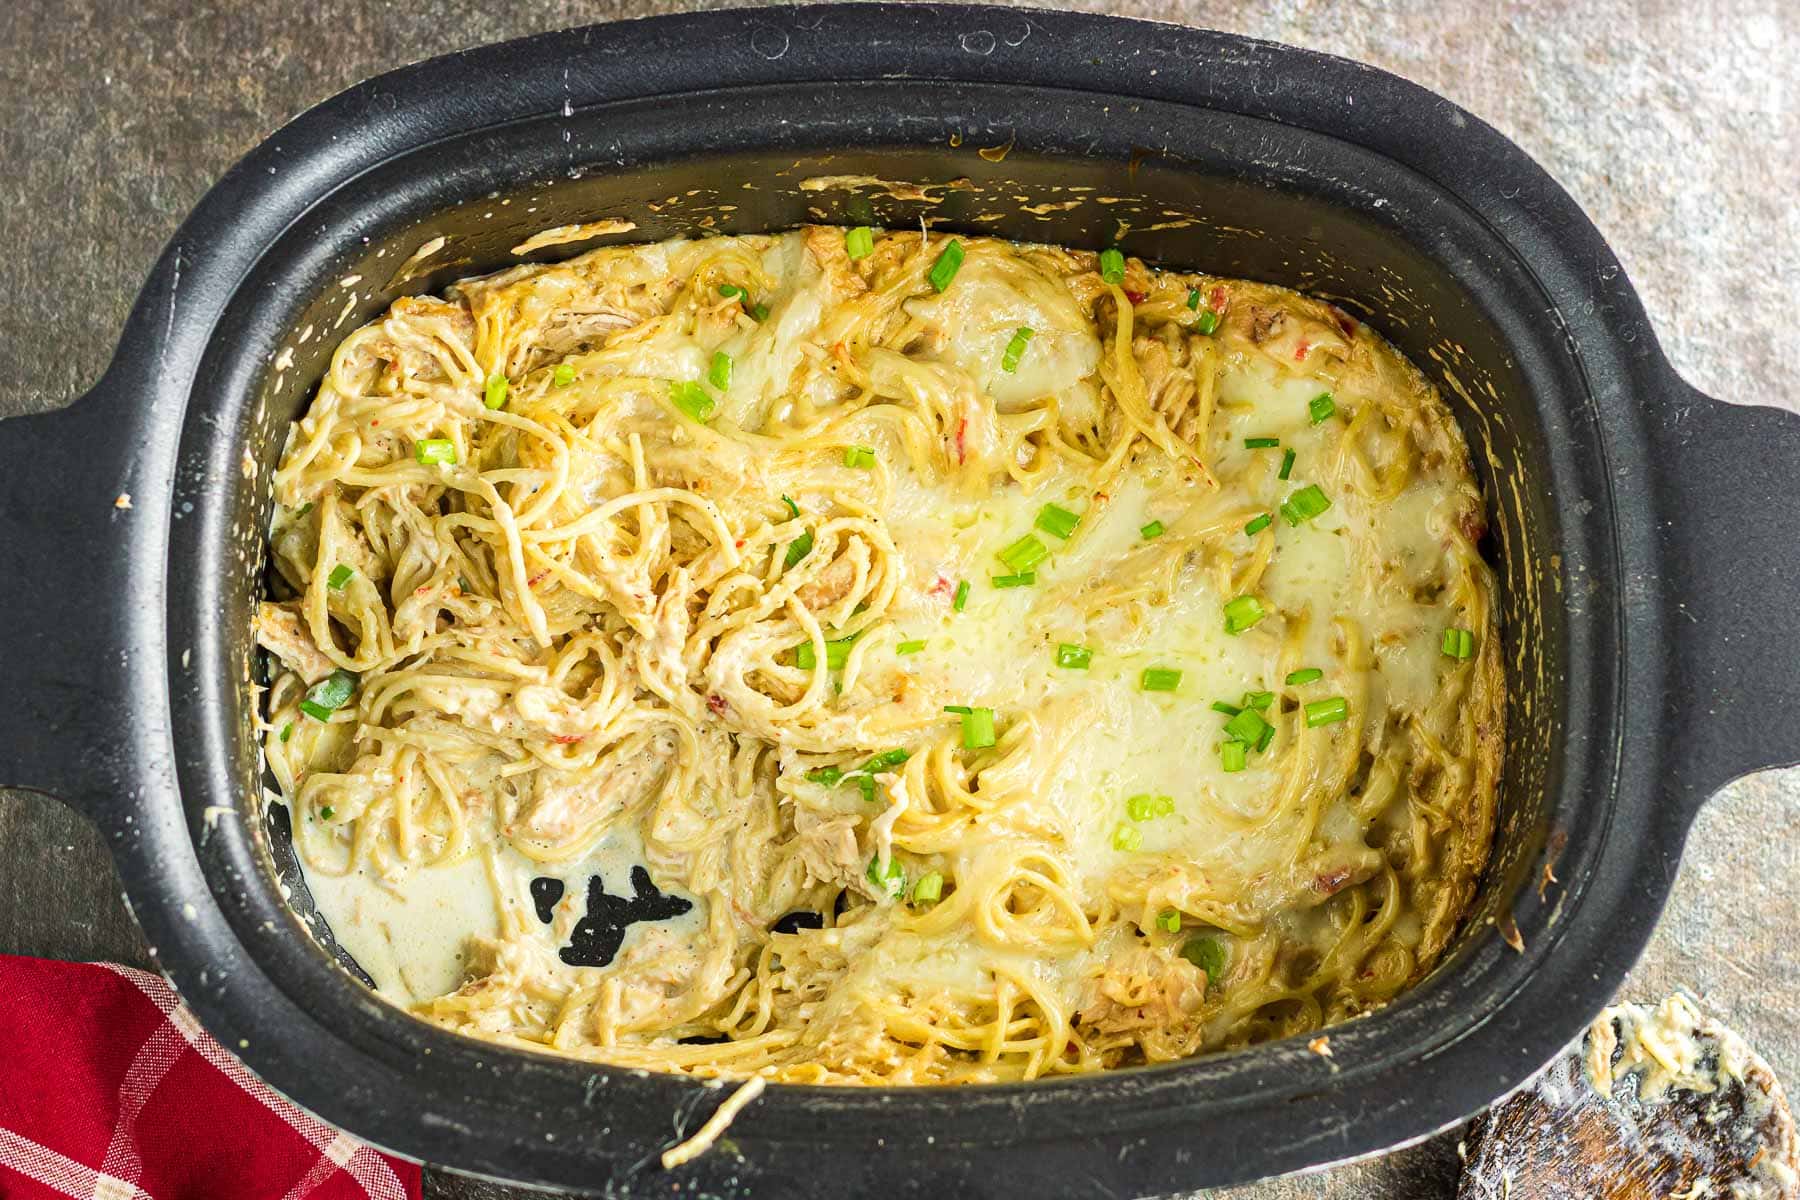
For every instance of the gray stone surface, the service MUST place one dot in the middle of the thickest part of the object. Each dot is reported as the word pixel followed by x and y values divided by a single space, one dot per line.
pixel 1675 123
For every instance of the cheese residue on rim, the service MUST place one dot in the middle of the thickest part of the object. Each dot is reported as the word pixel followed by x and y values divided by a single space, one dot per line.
pixel 1006 661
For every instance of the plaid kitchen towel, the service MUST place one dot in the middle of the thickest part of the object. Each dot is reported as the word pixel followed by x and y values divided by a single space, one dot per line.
pixel 110 1090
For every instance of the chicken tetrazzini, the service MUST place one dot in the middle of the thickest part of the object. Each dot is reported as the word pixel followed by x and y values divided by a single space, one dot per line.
pixel 881 658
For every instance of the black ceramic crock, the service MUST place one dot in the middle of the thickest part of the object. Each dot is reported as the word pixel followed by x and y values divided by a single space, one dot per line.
pixel 1643 536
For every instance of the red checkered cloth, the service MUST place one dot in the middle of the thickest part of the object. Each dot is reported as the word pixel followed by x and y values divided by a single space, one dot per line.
pixel 110 1090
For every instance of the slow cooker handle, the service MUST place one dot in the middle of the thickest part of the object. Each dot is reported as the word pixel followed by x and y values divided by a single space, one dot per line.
pixel 1730 537
pixel 66 521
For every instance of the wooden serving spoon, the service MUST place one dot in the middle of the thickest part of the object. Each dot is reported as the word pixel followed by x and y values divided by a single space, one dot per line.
pixel 1660 1103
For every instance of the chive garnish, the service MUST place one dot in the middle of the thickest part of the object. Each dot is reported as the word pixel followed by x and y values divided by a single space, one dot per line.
pixel 1226 707
pixel 428 451
pixel 1153 530
pixel 961 600
pixel 1207 322
pixel 1071 657
pixel 1112 265
pixel 910 647
pixel 1024 554
pixel 1327 712
pixel 1242 613
pixel 494 394
pixel 719 374
pixel 1147 807
pixel 1305 504
pixel 1057 520
pixel 884 760
pixel 1304 675
pixel 859 242
pixel 1257 524
pixel 837 653
pixel 1233 756
pixel 1246 727
pixel 1021 579
pixel 1261 443
pixel 1015 349
pixel 691 399
pixel 328 695
pixel 929 889
pixel 1194 299
pixel 892 882
pixel 862 457
pixel 1159 679
pixel 825 776
pixel 1258 700
pixel 1208 955
pixel 1127 838
pixel 564 375
pixel 1457 643
pixel 340 575
pixel 1321 406
pixel 327 812
pixel 1169 921
pixel 1287 464
pixel 978 728
pixel 287 731
pixel 949 262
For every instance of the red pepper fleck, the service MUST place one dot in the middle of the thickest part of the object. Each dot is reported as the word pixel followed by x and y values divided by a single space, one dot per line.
pixel 1135 297
pixel 716 703
pixel 962 453
pixel 1300 350
pixel 1218 299
pixel 535 579
pixel 421 591
pixel 563 739
pixel 941 587
pixel 740 543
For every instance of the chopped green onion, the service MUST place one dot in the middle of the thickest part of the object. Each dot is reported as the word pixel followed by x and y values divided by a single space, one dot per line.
pixel 1257 524
pixel 327 813
pixel 793 509
pixel 1024 554
pixel 732 291
pixel 866 785
pixel 978 728
pixel 1321 406
pixel 691 399
pixel 1022 579
pixel 837 653
pixel 435 450
pixel 1159 679
pixel 1127 838
pixel 859 242
pixel 948 263
pixel 1226 707
pixel 1015 349
pixel 825 776
pixel 340 575
pixel 1246 727
pixel 1057 520
pixel 1305 504
pixel 1242 613
pixel 494 395
pixel 1258 700
pixel 958 708
pixel 287 731
pixel 799 548
pixel 328 695
pixel 1261 443
pixel 564 375
pixel 859 456
pixel 1233 756
pixel 892 882
pixel 1147 807
pixel 910 647
pixel 1112 265
pixel 929 889
pixel 1153 530
pixel 961 600
pixel 1071 657
pixel 1208 955
pixel 759 312
pixel 1264 738
pixel 719 374
pixel 303 510
pixel 1304 675
pixel 1287 464
pixel 1194 299
pixel 1169 921
pixel 1207 322
pixel 1457 643
pixel 886 759
pixel 1327 712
